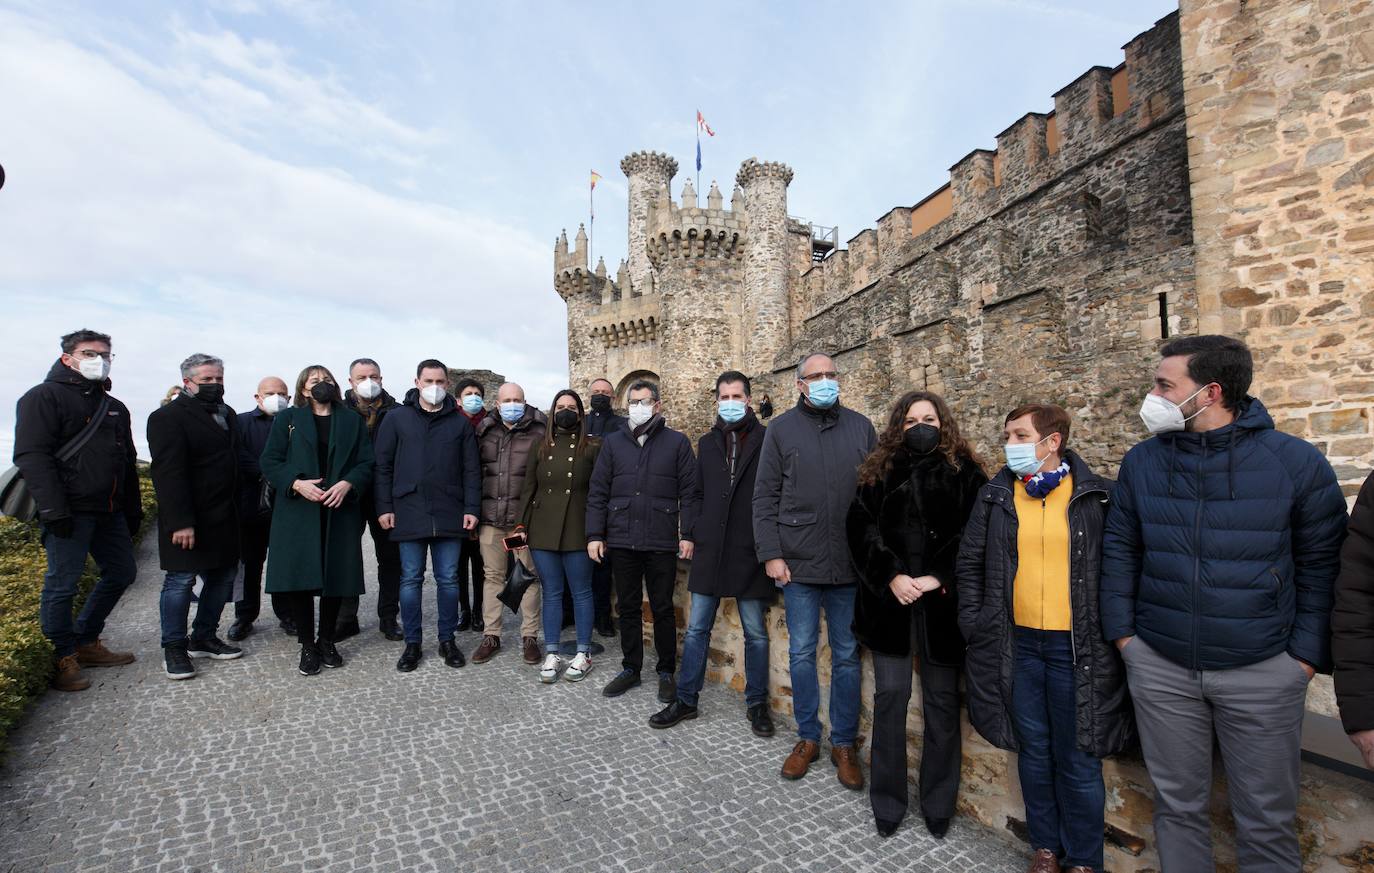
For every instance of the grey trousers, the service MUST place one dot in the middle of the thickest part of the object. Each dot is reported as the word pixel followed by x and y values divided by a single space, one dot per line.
pixel 1256 712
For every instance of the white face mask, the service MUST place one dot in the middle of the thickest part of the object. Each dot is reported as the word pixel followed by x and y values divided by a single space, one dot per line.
pixel 640 413
pixel 1162 415
pixel 433 394
pixel 95 369
pixel 367 389
pixel 273 403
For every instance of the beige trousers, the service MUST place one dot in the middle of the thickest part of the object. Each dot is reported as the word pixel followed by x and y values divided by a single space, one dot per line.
pixel 494 560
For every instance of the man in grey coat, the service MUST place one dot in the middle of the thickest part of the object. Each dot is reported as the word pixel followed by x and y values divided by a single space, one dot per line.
pixel 807 474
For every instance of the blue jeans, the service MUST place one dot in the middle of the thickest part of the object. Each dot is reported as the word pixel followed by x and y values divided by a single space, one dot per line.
pixel 694 646
pixel 105 537
pixel 1061 784
pixel 804 604
pixel 175 604
pixel 445 553
pixel 574 570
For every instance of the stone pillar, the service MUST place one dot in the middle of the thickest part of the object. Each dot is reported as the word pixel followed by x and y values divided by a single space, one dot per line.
pixel 767 322
pixel 649 174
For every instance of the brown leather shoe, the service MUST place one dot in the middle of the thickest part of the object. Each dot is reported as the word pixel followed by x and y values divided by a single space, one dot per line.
pixel 846 761
pixel 1044 862
pixel 489 646
pixel 529 647
pixel 68 677
pixel 799 761
pixel 1079 869
pixel 96 655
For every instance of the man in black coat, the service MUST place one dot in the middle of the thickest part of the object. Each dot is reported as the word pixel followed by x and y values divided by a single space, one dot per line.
pixel 428 488
pixel 194 443
pixel 642 507
pixel 255 511
pixel 1352 626
pixel 367 397
pixel 88 504
pixel 723 559
pixel 600 421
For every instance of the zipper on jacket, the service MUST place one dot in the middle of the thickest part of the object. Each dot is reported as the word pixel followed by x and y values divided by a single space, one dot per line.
pixel 1073 642
pixel 1197 557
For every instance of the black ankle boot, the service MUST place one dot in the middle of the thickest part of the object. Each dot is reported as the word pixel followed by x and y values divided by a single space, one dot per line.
pixel 410 658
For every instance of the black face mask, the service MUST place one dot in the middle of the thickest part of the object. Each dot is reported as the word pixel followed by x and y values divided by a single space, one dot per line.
pixel 601 402
pixel 921 439
pixel 210 392
pixel 565 419
pixel 324 392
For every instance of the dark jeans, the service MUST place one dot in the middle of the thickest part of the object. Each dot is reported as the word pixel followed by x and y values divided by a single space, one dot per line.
pixel 388 575
pixel 636 571
pixel 698 639
pixel 1061 784
pixel 571 572
pixel 444 552
pixel 601 587
pixel 105 537
pixel 253 552
pixel 470 567
pixel 941 743
pixel 175 604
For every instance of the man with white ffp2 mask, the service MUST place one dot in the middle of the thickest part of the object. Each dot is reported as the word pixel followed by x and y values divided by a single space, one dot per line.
pixel 1219 559
pixel 368 398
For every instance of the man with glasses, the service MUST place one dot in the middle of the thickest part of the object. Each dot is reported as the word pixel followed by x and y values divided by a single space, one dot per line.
pixel 807 474
pixel 88 503
pixel 641 508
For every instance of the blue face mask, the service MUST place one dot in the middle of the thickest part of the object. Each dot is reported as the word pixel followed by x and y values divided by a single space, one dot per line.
pixel 1021 458
pixel 824 393
pixel 473 404
pixel 512 412
pixel 731 411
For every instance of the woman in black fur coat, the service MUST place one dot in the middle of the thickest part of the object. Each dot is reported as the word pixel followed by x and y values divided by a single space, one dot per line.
pixel 915 491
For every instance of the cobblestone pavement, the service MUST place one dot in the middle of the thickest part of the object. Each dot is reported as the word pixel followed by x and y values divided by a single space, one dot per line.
pixel 252 767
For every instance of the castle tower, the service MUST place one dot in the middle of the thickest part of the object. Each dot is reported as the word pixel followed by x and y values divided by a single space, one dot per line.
pixel 766 315
pixel 649 174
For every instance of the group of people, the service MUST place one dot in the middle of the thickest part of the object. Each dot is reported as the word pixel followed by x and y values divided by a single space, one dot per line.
pixel 1192 598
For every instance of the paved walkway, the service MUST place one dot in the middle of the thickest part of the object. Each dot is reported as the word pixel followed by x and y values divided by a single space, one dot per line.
pixel 252 767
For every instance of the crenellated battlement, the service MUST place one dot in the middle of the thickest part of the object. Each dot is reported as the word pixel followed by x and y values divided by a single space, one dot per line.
pixel 649 164
pixel 753 170
pixel 687 230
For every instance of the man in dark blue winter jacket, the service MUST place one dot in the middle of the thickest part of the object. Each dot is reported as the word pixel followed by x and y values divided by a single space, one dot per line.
pixel 1218 563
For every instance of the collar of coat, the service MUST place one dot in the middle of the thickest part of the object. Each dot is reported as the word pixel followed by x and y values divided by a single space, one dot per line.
pixel 1084 479
pixel 492 419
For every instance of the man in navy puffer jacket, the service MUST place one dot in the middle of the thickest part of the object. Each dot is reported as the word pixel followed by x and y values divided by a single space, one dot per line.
pixel 1218 563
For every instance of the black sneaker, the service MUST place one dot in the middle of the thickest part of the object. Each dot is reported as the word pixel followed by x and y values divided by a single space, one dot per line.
pixel 675 712
pixel 287 626
pixel 452 655
pixel 178 663
pixel 329 654
pixel 215 648
pixel 239 630
pixel 410 658
pixel 623 681
pixel 310 660
pixel 667 688
pixel 760 721
pixel 390 629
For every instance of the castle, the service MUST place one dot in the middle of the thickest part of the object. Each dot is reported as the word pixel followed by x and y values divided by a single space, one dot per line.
pixel 1219 180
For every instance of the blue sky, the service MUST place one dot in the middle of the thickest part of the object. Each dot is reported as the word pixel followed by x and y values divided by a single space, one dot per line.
pixel 284 182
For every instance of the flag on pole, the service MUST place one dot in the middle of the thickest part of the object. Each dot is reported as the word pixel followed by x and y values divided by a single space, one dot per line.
pixel 591 194
pixel 702 125
pixel 596 177
pixel 698 155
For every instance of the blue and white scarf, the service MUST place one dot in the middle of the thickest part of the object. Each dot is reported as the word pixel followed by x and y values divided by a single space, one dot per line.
pixel 1041 484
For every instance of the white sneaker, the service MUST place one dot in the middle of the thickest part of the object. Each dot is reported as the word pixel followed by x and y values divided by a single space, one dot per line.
pixel 548 671
pixel 579 668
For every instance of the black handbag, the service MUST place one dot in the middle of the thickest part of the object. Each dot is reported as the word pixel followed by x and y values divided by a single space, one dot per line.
pixel 518 581
pixel 15 499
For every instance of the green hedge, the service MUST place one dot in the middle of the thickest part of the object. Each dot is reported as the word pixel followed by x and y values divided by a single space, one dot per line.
pixel 26 656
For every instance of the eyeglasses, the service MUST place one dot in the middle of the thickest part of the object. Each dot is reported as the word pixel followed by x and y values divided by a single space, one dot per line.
pixel 92 354
pixel 647 404
pixel 815 377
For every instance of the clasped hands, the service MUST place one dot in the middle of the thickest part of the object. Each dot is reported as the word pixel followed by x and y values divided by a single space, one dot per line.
pixel 332 497
pixel 908 590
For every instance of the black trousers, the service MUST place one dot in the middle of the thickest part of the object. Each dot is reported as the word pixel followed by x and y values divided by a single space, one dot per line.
pixel 601 586
pixel 636 571
pixel 253 552
pixel 388 574
pixel 302 607
pixel 471 569
pixel 941 742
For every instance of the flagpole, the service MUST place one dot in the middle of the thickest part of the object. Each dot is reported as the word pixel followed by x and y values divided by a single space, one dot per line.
pixel 591 223
pixel 698 158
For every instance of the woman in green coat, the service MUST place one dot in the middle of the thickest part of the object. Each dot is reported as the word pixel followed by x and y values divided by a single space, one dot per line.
pixel 554 515
pixel 319 459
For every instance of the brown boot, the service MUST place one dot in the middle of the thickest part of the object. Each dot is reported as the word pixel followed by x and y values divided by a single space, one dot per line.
pixel 68 677
pixel 529 647
pixel 96 655
pixel 1044 862
pixel 489 646
pixel 846 761
pixel 797 763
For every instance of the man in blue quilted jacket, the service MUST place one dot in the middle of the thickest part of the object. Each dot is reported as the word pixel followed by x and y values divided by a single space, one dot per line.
pixel 1218 563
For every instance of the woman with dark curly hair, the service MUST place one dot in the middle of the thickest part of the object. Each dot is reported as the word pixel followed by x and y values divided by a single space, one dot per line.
pixel 915 491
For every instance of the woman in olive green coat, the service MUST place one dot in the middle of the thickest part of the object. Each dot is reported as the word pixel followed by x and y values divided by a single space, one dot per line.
pixel 554 515
pixel 319 459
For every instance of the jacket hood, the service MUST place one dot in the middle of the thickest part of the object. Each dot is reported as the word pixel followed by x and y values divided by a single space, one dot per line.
pixel 449 405
pixel 64 375
pixel 1251 417
pixel 493 419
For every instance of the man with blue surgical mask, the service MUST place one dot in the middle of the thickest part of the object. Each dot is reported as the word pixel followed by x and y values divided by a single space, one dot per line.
pixel 1219 561
pixel 505 439
pixel 807 477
